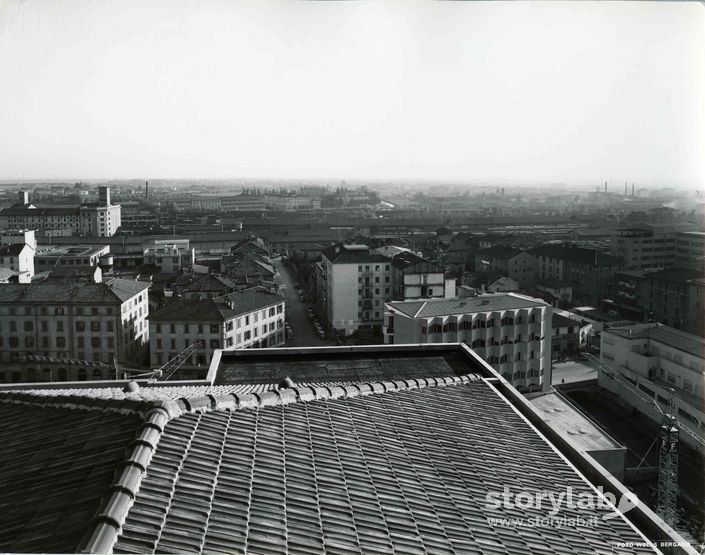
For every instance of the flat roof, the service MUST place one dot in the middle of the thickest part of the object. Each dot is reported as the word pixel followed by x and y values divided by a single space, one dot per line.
pixel 465 305
pixel 678 339
pixel 571 423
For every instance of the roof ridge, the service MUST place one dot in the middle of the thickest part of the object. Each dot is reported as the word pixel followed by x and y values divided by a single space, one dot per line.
pixel 120 496
pixel 278 397
pixel 423 305
pixel 71 401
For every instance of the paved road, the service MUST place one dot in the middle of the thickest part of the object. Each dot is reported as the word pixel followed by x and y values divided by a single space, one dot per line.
pixel 296 314
pixel 573 371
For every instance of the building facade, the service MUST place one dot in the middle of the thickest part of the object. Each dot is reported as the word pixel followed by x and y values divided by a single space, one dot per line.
pixel 355 282
pixel 589 272
pixel 53 329
pixel 511 332
pixel 414 277
pixel 652 364
pixel 690 250
pixel 508 262
pixel 648 246
pixel 101 219
pixel 241 320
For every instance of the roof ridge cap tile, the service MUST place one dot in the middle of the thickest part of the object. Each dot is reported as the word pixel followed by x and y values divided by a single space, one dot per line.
pixel 78 402
pixel 107 523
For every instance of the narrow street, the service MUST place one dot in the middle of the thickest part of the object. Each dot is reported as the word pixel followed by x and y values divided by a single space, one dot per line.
pixel 296 312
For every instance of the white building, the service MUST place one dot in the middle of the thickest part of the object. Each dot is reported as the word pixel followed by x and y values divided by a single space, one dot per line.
pixel 414 277
pixel 17 250
pixel 245 319
pixel 52 330
pixel 511 332
pixel 651 363
pixel 169 258
pixel 50 257
pixel 101 219
pixel 354 284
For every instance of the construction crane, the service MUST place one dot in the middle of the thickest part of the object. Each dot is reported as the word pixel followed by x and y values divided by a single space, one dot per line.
pixel 165 372
pixel 668 443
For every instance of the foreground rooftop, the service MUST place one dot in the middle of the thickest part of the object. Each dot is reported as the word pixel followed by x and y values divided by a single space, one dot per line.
pixel 387 464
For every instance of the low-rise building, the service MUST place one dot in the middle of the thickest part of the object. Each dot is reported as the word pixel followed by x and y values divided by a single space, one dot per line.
pixel 69 324
pixel 50 257
pixel 168 258
pixel 245 319
pixel 510 331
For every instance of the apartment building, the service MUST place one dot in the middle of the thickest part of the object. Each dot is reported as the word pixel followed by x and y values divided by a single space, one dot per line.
pixel 51 330
pixel 589 272
pixel 17 250
pixel 241 320
pixel 354 282
pixel 652 363
pixel 101 219
pixel 690 250
pixel 515 264
pixel 648 245
pixel 511 332
pixel 414 277
pixel 673 296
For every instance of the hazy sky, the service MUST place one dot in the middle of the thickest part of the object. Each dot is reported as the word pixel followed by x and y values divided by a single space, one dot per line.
pixel 575 92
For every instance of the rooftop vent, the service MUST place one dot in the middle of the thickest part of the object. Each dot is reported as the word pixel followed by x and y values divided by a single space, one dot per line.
pixel 286 383
pixel 131 387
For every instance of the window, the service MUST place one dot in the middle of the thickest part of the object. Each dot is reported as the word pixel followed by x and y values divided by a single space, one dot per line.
pixel 81 342
pixel 13 325
pixel 159 343
pixel 214 328
pixel 61 342
pixel 215 344
pixel 45 325
pixel 159 328
pixel 80 326
pixel 110 326
pixel 95 342
pixel 95 325
pixel 172 328
pixel 173 343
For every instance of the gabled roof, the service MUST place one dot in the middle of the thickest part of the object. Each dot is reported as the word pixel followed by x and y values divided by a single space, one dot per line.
pixel 391 466
pixel 211 283
pixel 410 263
pixel 58 292
pixel 341 253
pixel 14 249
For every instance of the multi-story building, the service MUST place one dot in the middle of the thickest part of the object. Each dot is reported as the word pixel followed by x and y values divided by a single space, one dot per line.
pixel 241 203
pixel 516 264
pixel 355 283
pixel 101 219
pixel 414 277
pixel 673 296
pixel 589 272
pixel 690 250
pixel 648 245
pixel 566 335
pixel 511 332
pixel 652 364
pixel 290 203
pixel 241 320
pixel 50 330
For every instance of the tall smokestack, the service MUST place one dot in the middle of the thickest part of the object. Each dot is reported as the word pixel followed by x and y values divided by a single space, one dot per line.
pixel 632 189
pixel 625 188
pixel 24 197
pixel 605 186
pixel 146 189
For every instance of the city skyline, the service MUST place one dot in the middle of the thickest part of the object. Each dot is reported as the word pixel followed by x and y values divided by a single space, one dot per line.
pixel 485 93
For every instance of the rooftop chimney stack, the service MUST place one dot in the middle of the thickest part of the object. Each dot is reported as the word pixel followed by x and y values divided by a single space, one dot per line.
pixel 24 197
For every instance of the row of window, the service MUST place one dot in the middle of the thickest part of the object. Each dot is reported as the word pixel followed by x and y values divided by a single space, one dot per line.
pixel 60 342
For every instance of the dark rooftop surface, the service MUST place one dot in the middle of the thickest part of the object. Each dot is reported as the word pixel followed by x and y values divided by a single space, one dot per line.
pixel 381 466
pixel 342 369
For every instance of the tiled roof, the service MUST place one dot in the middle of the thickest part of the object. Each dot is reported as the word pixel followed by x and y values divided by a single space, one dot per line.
pixel 211 282
pixel 58 292
pixel 217 309
pixel 390 466
pixel 14 249
pixel 352 254
pixel 465 305
pixel 410 263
